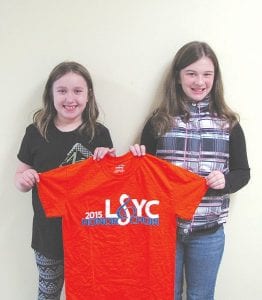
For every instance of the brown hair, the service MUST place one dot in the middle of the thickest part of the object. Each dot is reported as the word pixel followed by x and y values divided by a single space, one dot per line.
pixel 46 114
pixel 173 103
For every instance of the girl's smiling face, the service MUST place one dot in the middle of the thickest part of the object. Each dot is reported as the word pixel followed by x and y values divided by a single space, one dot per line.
pixel 197 79
pixel 70 94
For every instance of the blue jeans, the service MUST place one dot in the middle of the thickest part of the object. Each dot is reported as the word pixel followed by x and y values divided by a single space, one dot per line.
pixel 199 256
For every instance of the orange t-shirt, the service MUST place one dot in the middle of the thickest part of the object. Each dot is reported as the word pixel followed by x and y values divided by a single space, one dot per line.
pixel 119 224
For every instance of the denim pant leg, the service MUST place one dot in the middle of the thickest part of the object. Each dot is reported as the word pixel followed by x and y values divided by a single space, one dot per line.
pixel 201 256
pixel 179 276
pixel 51 277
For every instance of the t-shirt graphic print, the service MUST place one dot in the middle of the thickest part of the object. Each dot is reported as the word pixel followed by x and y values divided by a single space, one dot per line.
pixel 77 153
pixel 119 224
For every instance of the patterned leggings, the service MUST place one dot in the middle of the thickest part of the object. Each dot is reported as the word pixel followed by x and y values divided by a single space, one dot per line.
pixel 51 277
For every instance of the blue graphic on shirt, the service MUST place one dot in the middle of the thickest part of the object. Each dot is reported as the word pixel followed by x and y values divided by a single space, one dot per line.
pixel 130 211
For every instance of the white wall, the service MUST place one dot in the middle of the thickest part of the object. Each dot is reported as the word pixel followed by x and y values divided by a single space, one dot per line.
pixel 127 46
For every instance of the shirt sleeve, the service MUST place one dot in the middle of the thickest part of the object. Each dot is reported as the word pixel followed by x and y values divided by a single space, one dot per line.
pixel 148 139
pixel 107 141
pixel 103 137
pixel 53 190
pixel 24 154
pixel 239 171
pixel 187 189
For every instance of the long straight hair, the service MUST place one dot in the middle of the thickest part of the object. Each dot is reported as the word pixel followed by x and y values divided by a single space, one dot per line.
pixel 47 113
pixel 174 100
